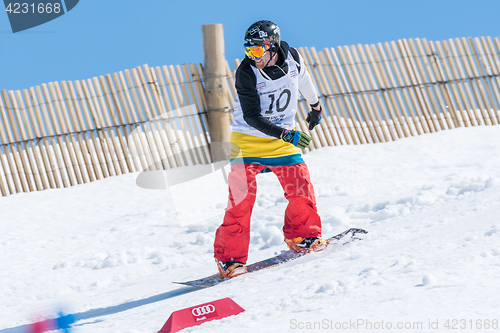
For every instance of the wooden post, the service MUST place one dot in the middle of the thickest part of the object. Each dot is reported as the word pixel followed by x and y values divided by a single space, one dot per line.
pixel 215 91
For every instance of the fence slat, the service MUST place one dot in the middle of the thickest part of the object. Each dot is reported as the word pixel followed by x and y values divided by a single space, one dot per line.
pixel 401 62
pixel 29 141
pixel 417 91
pixel 387 91
pixel 197 79
pixel 114 120
pixel 94 136
pixel 20 136
pixel 434 65
pixel 414 122
pixel 38 146
pixel 360 94
pixel 66 134
pixel 9 179
pixel 485 55
pixel 167 132
pixel 110 132
pixel 176 114
pixel 47 140
pixel 356 113
pixel 6 136
pixel 379 109
pixel 337 102
pixel 65 163
pixel 494 62
pixel 16 149
pixel 29 167
pixel 397 96
pixel 140 143
pixel 473 81
pixel 188 118
pixel 196 119
pixel 461 72
pixel 373 72
pixel 141 129
pixel 331 106
pixel 3 190
pixel 184 119
pixel 84 137
pixel 76 149
pixel 106 142
pixel 125 120
pixel 475 63
pixel 427 89
pixel 231 89
pixel 347 100
pixel 332 137
pixel 458 95
pixel 70 109
pixel 196 98
pixel 324 136
pixel 164 157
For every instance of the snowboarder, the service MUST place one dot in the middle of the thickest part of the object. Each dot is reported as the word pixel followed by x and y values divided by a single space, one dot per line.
pixel 264 139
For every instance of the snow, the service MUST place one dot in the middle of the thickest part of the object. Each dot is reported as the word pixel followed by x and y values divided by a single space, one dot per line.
pixel 108 251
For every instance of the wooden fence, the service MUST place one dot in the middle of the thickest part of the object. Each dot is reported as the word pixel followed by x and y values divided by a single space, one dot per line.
pixel 383 92
pixel 63 134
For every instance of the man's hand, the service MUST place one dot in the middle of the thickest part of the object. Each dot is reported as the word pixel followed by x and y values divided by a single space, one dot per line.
pixel 296 138
pixel 314 118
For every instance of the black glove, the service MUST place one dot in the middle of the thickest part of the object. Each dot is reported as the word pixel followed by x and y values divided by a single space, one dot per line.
pixel 296 138
pixel 314 118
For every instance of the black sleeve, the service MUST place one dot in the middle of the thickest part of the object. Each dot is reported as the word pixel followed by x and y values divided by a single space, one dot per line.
pixel 295 55
pixel 250 101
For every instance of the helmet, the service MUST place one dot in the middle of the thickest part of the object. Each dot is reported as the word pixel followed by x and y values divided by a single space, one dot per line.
pixel 263 33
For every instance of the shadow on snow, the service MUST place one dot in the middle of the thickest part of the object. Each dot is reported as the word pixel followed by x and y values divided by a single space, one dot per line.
pixel 94 313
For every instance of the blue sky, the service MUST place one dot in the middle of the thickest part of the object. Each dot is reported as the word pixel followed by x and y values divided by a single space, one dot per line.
pixel 104 36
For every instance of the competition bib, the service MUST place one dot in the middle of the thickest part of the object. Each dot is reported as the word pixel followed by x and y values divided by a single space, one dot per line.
pixel 278 101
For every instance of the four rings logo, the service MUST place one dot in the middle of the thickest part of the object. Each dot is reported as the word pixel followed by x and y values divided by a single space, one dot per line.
pixel 202 312
pixel 199 314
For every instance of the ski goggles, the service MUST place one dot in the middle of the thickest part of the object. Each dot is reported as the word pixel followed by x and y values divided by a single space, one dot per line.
pixel 255 52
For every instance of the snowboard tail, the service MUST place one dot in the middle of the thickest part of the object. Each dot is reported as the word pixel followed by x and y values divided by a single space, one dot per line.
pixel 285 256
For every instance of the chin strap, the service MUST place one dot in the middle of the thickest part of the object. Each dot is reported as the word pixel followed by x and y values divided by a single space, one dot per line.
pixel 271 57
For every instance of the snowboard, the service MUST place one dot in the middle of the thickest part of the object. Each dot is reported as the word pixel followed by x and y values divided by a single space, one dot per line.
pixel 285 256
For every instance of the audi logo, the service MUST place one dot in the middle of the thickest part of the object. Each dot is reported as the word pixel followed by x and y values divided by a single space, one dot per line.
pixel 203 310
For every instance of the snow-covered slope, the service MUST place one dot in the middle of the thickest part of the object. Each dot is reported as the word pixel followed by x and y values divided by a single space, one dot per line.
pixel 108 251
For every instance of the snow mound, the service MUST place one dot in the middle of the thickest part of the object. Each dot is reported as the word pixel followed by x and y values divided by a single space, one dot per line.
pixel 108 251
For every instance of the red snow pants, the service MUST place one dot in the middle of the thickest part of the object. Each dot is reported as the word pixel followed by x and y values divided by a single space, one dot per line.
pixel 232 238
